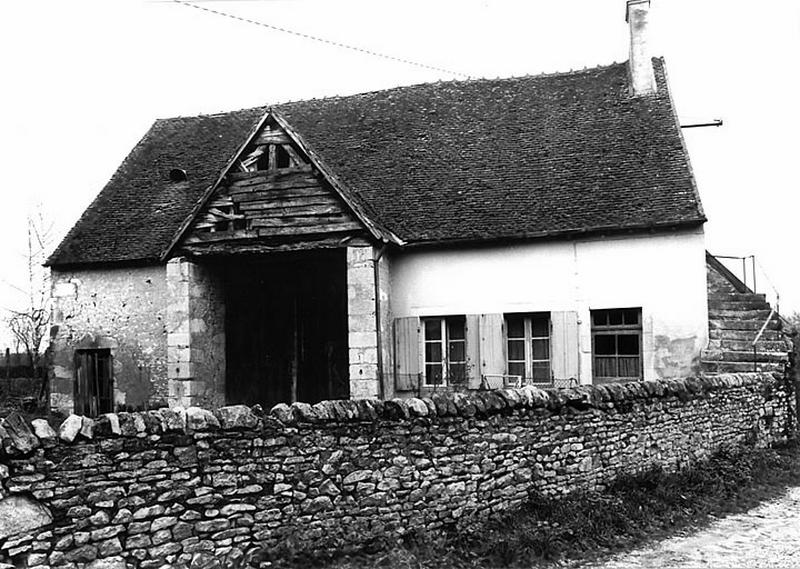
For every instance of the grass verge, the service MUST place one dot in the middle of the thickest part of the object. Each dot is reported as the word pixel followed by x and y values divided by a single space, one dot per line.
pixel 588 526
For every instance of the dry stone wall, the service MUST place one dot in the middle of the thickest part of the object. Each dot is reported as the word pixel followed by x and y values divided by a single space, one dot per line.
pixel 188 487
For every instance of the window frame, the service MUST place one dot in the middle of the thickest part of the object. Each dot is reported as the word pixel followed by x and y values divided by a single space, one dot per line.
pixel 528 339
pixel 445 342
pixel 616 330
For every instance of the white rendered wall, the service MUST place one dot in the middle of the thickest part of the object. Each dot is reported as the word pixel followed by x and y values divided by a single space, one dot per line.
pixel 664 274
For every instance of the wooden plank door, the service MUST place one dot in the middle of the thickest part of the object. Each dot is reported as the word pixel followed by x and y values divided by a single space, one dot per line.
pixel 93 382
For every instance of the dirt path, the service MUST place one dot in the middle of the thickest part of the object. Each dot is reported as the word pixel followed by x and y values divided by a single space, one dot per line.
pixel 767 536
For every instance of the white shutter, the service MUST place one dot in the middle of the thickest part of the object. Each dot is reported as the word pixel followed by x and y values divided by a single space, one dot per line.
pixel 407 353
pixel 492 347
pixel 473 336
pixel 564 351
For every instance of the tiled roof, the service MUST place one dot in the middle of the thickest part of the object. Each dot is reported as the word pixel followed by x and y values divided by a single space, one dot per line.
pixel 454 161
pixel 137 213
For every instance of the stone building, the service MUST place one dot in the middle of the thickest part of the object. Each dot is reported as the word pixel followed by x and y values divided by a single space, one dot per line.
pixel 451 235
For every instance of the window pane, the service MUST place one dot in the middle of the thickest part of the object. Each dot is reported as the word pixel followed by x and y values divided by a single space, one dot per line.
pixel 458 373
pixel 433 352
pixel 541 349
pixel 629 367
pixel 600 317
pixel 516 369
pixel 516 326
pixel 433 329
pixel 605 367
pixel 605 344
pixel 615 317
pixel 541 371
pixel 516 350
pixel 457 352
pixel 433 374
pixel 455 328
pixel 540 326
pixel 628 344
pixel 631 316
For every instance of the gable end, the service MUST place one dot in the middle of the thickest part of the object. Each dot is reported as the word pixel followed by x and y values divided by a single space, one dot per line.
pixel 271 197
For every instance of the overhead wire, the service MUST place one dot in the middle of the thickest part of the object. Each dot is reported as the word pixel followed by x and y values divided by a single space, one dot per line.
pixel 322 40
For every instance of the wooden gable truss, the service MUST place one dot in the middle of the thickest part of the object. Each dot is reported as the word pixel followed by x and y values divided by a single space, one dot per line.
pixel 271 198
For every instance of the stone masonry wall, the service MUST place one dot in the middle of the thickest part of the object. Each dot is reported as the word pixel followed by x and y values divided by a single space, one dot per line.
pixel 185 486
pixel 195 335
pixel 362 337
pixel 122 309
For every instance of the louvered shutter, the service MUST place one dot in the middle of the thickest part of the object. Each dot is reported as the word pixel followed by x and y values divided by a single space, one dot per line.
pixel 406 353
pixel 564 351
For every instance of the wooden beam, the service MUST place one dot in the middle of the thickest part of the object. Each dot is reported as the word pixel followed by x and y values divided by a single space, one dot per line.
pixel 290 202
pixel 287 231
pixel 224 215
pixel 269 195
pixel 221 236
pixel 272 137
pixel 236 176
pixel 297 180
pixel 261 246
pixel 301 221
pixel 258 210
pixel 293 156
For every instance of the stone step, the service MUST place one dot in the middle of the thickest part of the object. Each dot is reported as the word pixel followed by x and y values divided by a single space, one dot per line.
pixel 746 345
pixel 737 296
pixel 755 325
pixel 748 335
pixel 720 314
pixel 743 356
pixel 738 305
pixel 740 367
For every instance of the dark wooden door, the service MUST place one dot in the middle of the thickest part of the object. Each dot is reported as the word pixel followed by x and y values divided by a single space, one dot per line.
pixel 94 392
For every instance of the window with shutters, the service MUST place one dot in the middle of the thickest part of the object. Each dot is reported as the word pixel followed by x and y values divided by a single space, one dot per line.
pixel 445 350
pixel 528 346
pixel 617 344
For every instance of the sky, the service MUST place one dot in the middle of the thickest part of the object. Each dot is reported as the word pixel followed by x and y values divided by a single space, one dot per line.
pixel 83 80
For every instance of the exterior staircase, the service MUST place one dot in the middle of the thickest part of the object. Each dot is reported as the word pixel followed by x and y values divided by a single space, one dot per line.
pixel 736 315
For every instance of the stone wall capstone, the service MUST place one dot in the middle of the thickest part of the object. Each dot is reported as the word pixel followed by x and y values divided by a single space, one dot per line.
pixel 185 487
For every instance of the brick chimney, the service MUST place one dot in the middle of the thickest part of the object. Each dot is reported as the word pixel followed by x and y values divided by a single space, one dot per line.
pixel 640 64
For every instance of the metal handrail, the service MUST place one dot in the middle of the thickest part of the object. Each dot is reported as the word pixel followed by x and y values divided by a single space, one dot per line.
pixel 744 266
pixel 758 337
pixel 755 263
pixel 771 284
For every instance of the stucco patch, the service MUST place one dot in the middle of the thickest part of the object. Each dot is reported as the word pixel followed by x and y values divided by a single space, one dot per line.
pixel 675 357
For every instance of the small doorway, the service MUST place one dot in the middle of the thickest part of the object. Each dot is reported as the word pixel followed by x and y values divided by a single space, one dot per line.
pixel 93 382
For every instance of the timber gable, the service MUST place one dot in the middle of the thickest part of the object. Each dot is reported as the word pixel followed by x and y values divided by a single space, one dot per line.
pixel 272 196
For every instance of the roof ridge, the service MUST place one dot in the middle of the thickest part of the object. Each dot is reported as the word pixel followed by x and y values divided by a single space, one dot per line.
pixel 470 80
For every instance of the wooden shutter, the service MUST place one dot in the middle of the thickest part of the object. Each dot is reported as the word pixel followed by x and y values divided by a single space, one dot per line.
pixel 81 393
pixel 407 353
pixel 564 350
pixel 473 336
pixel 492 347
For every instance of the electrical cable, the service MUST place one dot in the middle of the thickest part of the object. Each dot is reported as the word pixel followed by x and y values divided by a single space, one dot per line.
pixel 322 40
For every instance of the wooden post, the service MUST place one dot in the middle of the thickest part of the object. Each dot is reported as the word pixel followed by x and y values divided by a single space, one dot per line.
pixel 8 363
pixel 295 350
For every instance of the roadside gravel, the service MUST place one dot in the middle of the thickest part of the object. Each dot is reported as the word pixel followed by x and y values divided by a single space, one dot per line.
pixel 766 537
